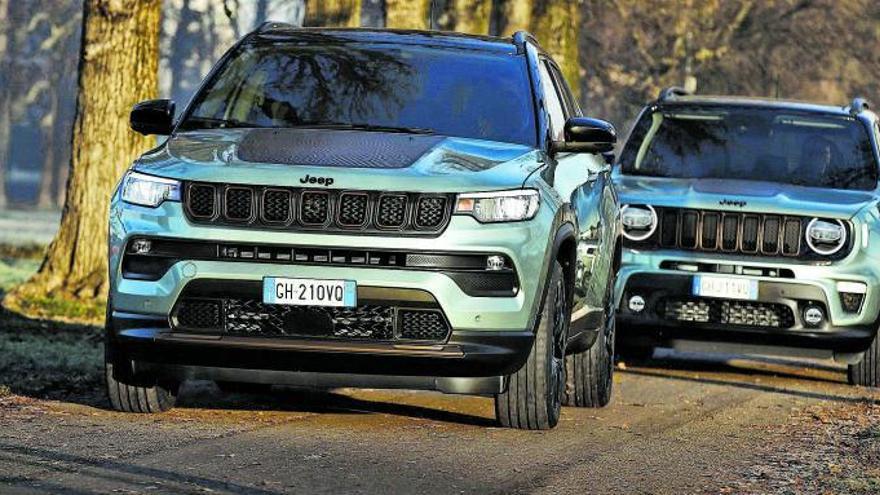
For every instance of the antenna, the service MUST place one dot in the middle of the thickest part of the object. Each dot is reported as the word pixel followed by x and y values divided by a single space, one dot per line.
pixel 431 18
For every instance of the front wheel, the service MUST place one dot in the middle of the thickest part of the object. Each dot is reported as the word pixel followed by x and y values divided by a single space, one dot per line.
pixel 128 393
pixel 591 372
pixel 533 399
pixel 867 371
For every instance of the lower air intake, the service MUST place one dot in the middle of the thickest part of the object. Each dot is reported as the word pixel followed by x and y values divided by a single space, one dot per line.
pixel 251 317
pixel 741 313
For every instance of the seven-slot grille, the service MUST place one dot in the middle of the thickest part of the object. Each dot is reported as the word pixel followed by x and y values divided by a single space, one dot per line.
pixel 730 232
pixel 250 317
pixel 305 209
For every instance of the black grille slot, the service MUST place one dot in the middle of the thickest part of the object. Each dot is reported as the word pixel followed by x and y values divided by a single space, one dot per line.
pixel 202 200
pixel 276 206
pixel 314 208
pixel 669 228
pixel 391 212
pixel 724 312
pixel 422 325
pixel 308 209
pixel 729 231
pixel 750 234
pixel 431 212
pixel 239 204
pixel 770 243
pixel 353 209
pixel 710 231
pixel 251 317
pixel 791 237
pixel 689 221
pixel 198 314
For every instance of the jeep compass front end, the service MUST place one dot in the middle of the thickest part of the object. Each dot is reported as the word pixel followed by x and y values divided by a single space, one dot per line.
pixel 366 208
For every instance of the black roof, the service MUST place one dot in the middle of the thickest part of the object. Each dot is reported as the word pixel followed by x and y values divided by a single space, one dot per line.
pixel 440 39
pixel 755 102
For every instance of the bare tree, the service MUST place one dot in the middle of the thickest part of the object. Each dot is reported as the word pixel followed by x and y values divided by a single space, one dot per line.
pixel 5 72
pixel 822 50
pixel 118 67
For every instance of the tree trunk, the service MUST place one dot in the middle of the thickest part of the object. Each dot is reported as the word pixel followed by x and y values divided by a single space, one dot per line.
pixel 335 13
pixel 472 16
pixel 118 67
pixel 555 24
pixel 5 121
pixel 407 14
pixel 515 15
pixel 50 145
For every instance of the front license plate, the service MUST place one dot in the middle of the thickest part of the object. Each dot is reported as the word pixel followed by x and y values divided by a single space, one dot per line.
pixel 725 287
pixel 309 292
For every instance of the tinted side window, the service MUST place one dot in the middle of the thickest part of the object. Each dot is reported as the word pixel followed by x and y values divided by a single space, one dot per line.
pixel 553 103
pixel 571 105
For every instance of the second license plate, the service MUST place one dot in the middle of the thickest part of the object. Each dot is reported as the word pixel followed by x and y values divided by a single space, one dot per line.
pixel 725 287
pixel 309 292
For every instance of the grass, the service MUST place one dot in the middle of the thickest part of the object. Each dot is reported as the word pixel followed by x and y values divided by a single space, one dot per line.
pixel 41 358
pixel 61 309
pixel 44 356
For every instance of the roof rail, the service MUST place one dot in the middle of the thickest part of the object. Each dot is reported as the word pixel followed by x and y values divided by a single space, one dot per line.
pixel 858 105
pixel 672 92
pixel 270 25
pixel 520 38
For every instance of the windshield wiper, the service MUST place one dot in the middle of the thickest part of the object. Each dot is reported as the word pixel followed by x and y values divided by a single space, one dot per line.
pixel 195 122
pixel 363 127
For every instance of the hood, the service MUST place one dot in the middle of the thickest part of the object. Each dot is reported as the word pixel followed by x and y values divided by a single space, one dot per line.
pixel 742 195
pixel 344 159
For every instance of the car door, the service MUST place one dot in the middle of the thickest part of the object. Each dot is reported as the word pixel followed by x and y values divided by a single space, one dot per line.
pixel 583 181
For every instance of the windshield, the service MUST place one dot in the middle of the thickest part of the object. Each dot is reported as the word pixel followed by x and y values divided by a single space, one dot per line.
pixel 804 149
pixel 397 88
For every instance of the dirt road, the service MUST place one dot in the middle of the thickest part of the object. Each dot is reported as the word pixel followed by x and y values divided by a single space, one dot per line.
pixel 681 424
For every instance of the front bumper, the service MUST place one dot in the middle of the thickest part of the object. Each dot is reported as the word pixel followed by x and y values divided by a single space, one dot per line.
pixel 774 319
pixel 489 336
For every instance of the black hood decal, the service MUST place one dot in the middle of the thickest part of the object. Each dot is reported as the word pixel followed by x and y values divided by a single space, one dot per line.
pixel 334 148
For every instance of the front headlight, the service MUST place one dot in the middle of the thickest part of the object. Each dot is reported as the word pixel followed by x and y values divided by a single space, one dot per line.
pixel 146 190
pixel 499 206
pixel 826 237
pixel 639 221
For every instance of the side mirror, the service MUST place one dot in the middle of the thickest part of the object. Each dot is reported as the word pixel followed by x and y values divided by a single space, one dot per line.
pixel 586 135
pixel 153 117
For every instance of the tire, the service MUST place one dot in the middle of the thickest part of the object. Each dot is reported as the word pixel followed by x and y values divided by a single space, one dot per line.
pixel 590 373
pixel 867 371
pixel 243 387
pixel 533 399
pixel 144 395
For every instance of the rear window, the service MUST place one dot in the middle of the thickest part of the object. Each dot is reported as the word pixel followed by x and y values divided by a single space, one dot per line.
pixel 452 92
pixel 803 149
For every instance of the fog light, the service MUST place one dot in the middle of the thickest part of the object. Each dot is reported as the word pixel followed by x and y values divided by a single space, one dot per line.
pixel 141 246
pixel 636 304
pixel 495 263
pixel 813 316
pixel 852 295
pixel 851 302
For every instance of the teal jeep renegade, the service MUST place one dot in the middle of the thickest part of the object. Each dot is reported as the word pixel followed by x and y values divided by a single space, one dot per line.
pixel 752 225
pixel 366 208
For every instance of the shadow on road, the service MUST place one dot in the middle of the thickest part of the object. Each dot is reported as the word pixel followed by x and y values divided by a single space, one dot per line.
pixel 801 378
pixel 107 470
pixel 320 402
